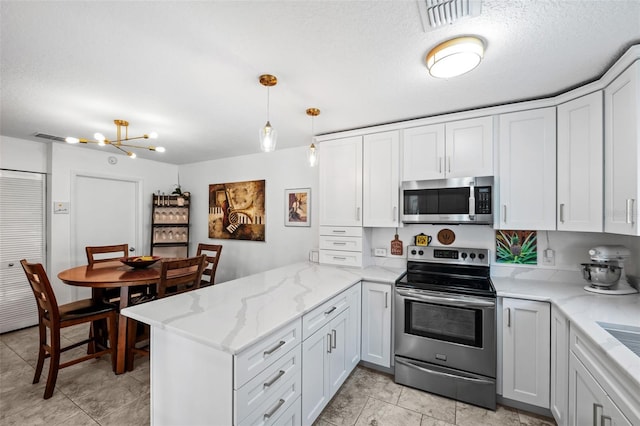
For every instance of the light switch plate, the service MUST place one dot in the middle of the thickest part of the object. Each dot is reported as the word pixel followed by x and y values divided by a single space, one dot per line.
pixel 60 207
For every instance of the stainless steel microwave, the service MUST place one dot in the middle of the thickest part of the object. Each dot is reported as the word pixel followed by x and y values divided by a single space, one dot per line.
pixel 456 201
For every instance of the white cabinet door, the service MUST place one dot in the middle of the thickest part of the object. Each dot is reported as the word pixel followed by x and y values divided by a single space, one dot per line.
pixel 469 148
pixel 316 389
pixel 338 363
pixel 527 170
pixel 352 348
pixel 622 153
pixel 376 323
pixel 525 351
pixel 588 402
pixel 559 366
pixel 341 182
pixel 381 176
pixel 423 152
pixel 580 164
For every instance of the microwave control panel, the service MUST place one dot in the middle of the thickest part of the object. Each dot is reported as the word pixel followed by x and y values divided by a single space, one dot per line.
pixel 483 199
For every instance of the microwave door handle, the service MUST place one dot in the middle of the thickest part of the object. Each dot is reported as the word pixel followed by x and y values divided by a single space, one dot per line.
pixel 472 201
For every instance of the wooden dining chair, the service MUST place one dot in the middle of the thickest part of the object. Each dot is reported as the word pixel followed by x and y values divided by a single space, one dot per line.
pixel 213 252
pixel 101 254
pixel 54 318
pixel 176 276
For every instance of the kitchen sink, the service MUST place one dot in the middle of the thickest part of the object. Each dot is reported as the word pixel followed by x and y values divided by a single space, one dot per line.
pixel 626 334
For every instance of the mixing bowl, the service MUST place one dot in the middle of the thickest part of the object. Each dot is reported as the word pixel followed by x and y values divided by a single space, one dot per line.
pixel 601 274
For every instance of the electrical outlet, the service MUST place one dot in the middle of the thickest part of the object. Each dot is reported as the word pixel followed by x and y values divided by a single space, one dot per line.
pixel 549 257
pixel 380 252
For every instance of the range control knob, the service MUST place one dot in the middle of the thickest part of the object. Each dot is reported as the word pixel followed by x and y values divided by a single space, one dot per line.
pixel 413 252
pixel 420 252
pixel 472 256
pixel 464 255
pixel 481 256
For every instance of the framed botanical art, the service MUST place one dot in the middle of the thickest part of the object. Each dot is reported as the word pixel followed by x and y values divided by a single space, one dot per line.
pixel 297 205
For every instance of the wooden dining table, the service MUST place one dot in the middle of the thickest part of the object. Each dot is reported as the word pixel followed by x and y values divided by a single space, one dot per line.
pixel 100 276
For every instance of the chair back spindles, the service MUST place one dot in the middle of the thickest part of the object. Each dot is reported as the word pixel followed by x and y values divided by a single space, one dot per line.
pixel 213 252
pixel 181 275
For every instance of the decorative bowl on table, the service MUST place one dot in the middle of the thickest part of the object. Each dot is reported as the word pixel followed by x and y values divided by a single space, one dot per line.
pixel 139 261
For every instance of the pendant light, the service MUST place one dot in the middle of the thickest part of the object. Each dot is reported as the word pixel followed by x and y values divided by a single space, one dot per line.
pixel 312 154
pixel 268 135
pixel 455 57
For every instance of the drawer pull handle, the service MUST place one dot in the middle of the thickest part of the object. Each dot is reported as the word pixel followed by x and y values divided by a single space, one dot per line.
pixel 508 317
pixel 275 348
pixel 339 243
pixel 339 258
pixel 386 299
pixel 333 339
pixel 339 231
pixel 271 412
pixel 275 379
pixel 329 342
pixel 603 420
pixel 330 310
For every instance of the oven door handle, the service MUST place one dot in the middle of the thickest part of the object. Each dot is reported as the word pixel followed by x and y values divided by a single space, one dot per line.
pixel 439 373
pixel 446 300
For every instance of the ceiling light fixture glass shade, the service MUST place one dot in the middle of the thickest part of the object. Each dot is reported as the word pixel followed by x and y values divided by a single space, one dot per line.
pixel 312 154
pixel 268 135
pixel 101 140
pixel 455 57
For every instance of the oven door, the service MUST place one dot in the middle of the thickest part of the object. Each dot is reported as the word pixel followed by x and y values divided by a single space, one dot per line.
pixel 456 331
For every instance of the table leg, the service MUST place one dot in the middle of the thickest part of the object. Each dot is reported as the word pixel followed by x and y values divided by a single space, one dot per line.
pixel 121 357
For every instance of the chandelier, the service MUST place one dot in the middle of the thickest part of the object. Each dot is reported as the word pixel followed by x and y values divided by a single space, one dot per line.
pixel 312 154
pixel 101 140
pixel 267 134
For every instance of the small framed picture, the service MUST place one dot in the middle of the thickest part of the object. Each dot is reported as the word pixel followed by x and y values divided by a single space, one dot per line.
pixel 297 206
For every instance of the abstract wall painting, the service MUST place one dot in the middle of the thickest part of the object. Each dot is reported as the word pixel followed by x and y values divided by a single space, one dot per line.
pixel 236 210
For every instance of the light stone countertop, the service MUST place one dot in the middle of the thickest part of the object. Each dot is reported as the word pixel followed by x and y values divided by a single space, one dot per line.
pixel 231 316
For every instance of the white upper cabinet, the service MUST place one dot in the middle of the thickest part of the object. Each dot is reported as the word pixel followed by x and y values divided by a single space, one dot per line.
pixel 381 178
pixel 456 149
pixel 527 170
pixel 469 147
pixel 622 153
pixel 580 167
pixel 341 182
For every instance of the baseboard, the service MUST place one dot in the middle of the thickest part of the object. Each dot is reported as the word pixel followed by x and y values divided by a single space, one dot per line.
pixel 523 406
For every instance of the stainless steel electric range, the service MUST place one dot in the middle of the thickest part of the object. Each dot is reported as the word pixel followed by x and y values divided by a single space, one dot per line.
pixel 445 324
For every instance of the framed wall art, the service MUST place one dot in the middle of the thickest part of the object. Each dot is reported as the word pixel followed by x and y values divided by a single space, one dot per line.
pixel 297 205
pixel 517 247
pixel 236 210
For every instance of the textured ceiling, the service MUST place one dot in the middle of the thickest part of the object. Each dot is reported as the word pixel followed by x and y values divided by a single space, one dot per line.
pixel 189 70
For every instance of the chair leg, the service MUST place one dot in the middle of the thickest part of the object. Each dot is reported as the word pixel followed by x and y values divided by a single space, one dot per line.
pixel 54 365
pixel 112 325
pixel 42 330
pixel 131 342
pixel 93 332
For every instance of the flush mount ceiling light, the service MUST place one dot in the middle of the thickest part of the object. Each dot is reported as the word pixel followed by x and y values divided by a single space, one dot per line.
pixel 455 57
pixel 101 140
pixel 312 154
pixel 268 135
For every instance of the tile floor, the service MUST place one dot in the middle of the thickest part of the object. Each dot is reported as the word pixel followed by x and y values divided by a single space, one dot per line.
pixel 90 394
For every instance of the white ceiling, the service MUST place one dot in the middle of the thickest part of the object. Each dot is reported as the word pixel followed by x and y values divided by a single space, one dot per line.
pixel 189 70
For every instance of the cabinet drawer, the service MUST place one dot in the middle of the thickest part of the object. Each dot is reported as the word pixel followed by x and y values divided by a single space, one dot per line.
pixel 259 389
pixel 271 410
pixel 328 242
pixel 256 358
pixel 292 415
pixel 345 231
pixel 323 314
pixel 345 258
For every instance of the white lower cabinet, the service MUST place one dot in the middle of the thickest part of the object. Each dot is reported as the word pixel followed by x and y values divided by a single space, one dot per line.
pixel 376 323
pixel 589 404
pixel 328 354
pixel 600 393
pixel 559 366
pixel 525 351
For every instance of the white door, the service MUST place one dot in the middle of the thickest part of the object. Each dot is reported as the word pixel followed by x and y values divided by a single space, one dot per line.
pixel 104 211
pixel 22 236
pixel 376 323
pixel 469 148
pixel 380 183
pixel 423 152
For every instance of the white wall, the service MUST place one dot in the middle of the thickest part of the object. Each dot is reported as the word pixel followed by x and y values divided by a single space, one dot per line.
pixel 23 155
pixel 281 169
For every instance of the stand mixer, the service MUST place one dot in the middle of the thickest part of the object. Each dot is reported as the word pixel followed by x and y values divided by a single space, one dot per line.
pixel 605 273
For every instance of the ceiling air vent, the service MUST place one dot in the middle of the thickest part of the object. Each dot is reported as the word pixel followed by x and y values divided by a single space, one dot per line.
pixel 438 13
pixel 50 137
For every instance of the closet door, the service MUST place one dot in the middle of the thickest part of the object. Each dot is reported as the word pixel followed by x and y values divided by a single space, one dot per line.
pixel 22 236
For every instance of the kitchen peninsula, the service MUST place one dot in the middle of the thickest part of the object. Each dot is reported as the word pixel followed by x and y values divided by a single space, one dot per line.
pixel 218 350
